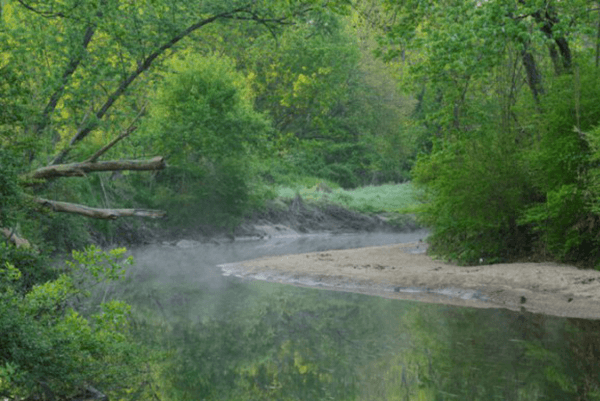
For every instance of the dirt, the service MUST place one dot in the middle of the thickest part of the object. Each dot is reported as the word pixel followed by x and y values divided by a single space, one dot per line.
pixel 278 218
pixel 296 216
pixel 406 272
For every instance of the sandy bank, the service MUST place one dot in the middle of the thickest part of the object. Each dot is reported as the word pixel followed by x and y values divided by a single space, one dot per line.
pixel 405 272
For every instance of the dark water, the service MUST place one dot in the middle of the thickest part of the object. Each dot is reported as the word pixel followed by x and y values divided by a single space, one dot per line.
pixel 229 339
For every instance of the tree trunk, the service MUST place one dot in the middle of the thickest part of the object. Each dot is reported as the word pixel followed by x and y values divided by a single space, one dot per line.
pixel 534 77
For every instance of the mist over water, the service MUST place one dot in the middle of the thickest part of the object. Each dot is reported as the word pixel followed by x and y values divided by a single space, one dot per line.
pixel 238 339
pixel 196 262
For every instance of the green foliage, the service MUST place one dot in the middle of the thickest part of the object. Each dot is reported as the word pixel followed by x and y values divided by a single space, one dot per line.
pixel 387 198
pixel 52 348
pixel 203 110
pixel 593 176
pixel 10 192
pixel 474 190
pixel 337 109
pixel 56 350
pixel 555 221
pixel 570 108
pixel 561 165
pixel 203 120
pixel 507 166
pixel 217 195
pixel 95 266
pixel 33 267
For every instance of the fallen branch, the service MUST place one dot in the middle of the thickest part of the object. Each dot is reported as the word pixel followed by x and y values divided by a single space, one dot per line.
pixel 14 238
pixel 95 213
pixel 80 169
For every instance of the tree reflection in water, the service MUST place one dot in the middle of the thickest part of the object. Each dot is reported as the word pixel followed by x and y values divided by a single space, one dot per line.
pixel 266 341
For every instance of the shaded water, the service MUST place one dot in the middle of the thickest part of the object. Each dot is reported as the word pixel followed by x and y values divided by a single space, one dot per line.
pixel 246 340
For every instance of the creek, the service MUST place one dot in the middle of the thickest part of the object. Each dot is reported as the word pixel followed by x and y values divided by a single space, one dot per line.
pixel 229 338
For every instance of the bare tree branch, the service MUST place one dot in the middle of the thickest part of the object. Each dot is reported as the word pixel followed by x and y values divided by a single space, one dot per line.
pixel 69 71
pixel 112 143
pixel 80 169
pixel 14 238
pixel 95 213
pixel 132 127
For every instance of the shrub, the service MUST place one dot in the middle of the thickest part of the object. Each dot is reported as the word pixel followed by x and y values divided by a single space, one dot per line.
pixel 56 347
pixel 474 190
pixel 563 163
pixel 202 119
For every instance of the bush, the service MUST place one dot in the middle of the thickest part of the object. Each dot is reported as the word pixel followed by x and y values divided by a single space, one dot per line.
pixel 563 164
pixel 33 268
pixel 56 346
pixel 202 120
pixel 496 195
pixel 474 190
pixel 10 193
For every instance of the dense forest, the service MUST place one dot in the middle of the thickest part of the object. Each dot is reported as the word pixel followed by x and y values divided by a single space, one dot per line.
pixel 113 109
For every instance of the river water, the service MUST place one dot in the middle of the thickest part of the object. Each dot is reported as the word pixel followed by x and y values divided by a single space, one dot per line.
pixel 228 338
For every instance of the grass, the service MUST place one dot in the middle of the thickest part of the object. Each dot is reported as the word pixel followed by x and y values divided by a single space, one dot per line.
pixel 389 198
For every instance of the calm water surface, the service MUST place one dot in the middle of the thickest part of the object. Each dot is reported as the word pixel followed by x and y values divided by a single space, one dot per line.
pixel 246 340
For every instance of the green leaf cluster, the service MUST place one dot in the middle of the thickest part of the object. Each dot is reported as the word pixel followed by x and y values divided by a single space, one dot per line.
pixel 51 345
pixel 204 111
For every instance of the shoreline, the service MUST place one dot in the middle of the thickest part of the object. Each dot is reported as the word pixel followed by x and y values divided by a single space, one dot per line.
pixel 405 272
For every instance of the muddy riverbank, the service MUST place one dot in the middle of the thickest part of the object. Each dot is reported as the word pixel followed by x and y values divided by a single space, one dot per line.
pixel 278 218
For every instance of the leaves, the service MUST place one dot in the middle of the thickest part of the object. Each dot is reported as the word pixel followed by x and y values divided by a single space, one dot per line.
pixel 52 343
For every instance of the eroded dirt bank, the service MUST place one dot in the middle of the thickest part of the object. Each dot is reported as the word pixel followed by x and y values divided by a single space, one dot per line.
pixel 278 218
pixel 405 272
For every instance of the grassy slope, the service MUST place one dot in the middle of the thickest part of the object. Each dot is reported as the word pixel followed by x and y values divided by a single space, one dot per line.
pixel 389 198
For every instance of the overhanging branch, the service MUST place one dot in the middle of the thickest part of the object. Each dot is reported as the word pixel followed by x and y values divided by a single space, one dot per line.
pixel 132 127
pixel 95 213
pixel 81 169
pixel 84 130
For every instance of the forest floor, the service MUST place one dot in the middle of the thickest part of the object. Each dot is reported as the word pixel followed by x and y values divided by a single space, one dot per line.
pixel 405 271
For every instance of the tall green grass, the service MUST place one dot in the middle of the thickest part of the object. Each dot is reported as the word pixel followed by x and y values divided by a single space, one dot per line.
pixel 389 198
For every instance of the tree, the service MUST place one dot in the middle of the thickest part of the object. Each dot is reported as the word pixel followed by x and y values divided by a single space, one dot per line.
pixel 55 344
pixel 506 171
pixel 88 73
pixel 202 118
pixel 335 109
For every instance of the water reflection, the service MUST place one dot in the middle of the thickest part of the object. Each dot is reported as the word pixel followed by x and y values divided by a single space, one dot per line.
pixel 243 340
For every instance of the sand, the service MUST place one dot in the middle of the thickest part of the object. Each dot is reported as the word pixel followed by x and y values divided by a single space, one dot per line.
pixel 405 272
